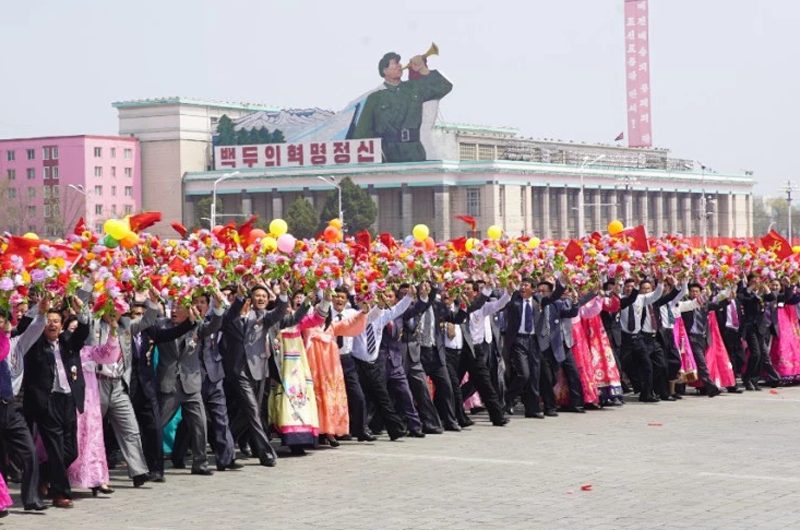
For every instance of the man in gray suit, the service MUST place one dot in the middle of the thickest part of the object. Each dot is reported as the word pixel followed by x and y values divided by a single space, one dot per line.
pixel 245 335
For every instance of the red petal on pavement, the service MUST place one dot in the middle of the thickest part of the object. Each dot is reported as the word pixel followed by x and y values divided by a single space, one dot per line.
pixel 773 391
pixel 586 487
pixel 655 424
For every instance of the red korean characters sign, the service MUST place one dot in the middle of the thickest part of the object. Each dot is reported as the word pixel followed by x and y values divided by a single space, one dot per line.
pixel 637 70
pixel 341 152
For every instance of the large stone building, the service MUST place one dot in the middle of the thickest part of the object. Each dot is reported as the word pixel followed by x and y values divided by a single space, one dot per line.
pixel 524 185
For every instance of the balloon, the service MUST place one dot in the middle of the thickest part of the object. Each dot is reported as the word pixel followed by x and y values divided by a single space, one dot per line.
pixel 110 242
pixel 130 240
pixel 286 243
pixel 408 241
pixel 268 244
pixel 217 229
pixel 335 222
pixel 430 244
pixel 470 244
pixel 494 232
pixel 534 242
pixel 278 227
pixel 615 227
pixel 116 229
pixel 30 235
pixel 796 249
pixel 421 232
pixel 331 234
pixel 254 235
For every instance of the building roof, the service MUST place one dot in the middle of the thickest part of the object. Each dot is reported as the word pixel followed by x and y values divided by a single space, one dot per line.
pixel 196 102
pixel 69 136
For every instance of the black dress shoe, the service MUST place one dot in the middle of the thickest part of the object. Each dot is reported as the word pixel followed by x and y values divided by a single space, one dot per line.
pixel 551 413
pixel 714 391
pixel 345 438
pixel 157 477
pixel 416 434
pixel 139 480
pixel 537 415
pixel 366 437
pixel 734 390
pixel 333 442
pixel 757 387
pixel 246 453
pixel 508 410
pixel 432 431
pixel 668 398
pixel 204 471
pixel 500 423
pixel 748 385
pixel 468 423
pixel 269 460
pixel 774 383
pixel 677 396
pixel 453 428
pixel 38 507
pixel 398 435
pixel 3 513
pixel 178 464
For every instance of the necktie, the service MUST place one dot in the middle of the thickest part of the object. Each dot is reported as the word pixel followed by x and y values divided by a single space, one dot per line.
pixel 339 340
pixel 670 315
pixel 546 330
pixel 734 315
pixel 6 392
pixel 60 368
pixel 653 320
pixel 631 319
pixel 370 340
pixel 390 327
pixel 426 328
pixel 528 316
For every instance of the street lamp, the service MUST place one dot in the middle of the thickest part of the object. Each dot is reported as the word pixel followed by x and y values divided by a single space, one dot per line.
pixel 629 181
pixel 788 188
pixel 581 220
pixel 332 181
pixel 214 197
pixel 80 189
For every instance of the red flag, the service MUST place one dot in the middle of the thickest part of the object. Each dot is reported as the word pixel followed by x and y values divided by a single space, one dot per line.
pixel 636 238
pixel 777 244
pixel 143 220
pixel 179 228
pixel 469 220
pixel 573 250
pixel 80 227
pixel 364 239
pixel 387 239
pixel 246 227
pixel 176 265
pixel 459 244
pixel 26 249
pixel 620 136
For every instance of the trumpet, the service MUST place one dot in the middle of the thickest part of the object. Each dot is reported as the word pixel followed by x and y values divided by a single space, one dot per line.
pixel 433 50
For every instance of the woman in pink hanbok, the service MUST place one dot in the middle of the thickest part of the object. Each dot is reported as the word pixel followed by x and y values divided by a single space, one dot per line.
pixel 719 364
pixel 5 498
pixel 581 351
pixel 604 365
pixel 784 351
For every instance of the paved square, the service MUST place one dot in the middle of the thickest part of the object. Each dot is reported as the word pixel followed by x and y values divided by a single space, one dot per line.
pixel 730 463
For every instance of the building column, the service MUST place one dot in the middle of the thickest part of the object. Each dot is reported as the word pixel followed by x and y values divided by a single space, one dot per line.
pixel 527 197
pixel 247 205
pixel 713 221
pixel 597 211
pixel 188 219
pixel 563 213
pixel 545 213
pixel 749 215
pixel 727 216
pixel 628 199
pixel 673 213
pixel 373 194
pixel 613 209
pixel 644 209
pixel 686 214
pixel 441 220
pixel 406 210
pixel 658 213
pixel 277 204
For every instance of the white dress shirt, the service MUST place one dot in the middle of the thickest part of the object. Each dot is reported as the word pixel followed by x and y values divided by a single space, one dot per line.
pixel 527 301
pixel 377 319
pixel 479 319
pixel 347 342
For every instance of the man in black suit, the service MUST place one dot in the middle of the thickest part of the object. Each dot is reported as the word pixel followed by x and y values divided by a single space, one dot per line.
pixel 753 297
pixel 696 323
pixel 54 388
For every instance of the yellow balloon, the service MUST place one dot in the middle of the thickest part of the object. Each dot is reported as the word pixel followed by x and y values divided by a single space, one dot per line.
pixel 471 242
pixel 116 229
pixel 269 244
pixel 494 232
pixel 420 232
pixel 534 242
pixel 278 227
pixel 615 227
pixel 30 235
pixel 796 249
pixel 335 222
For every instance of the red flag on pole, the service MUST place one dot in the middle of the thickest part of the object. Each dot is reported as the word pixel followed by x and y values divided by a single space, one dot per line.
pixel 620 136
pixel 144 220
pixel 364 239
pixel 573 250
pixel 179 228
pixel 26 248
pixel 469 220
pixel 777 244
pixel 636 238
pixel 80 227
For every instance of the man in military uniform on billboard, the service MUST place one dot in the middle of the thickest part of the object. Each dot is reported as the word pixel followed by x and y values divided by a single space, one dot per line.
pixel 394 113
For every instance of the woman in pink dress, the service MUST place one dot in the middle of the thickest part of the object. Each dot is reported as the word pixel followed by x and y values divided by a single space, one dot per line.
pixel 583 359
pixel 785 349
pixel 719 364
pixel 5 346
pixel 604 364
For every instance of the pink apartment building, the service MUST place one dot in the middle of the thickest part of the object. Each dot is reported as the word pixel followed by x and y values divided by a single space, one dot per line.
pixel 47 184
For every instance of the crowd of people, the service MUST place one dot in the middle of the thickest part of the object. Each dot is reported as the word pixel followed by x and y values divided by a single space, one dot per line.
pixel 254 365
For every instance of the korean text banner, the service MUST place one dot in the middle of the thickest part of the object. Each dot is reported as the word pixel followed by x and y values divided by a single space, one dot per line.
pixel 637 70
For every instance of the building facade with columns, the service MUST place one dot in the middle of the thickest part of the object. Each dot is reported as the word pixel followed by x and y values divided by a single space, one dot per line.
pixel 526 186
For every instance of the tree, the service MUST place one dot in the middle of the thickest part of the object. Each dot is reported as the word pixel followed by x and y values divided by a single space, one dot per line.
pixel 775 210
pixel 302 219
pixel 359 210
pixel 263 136
pixel 225 133
pixel 202 211
pixel 277 137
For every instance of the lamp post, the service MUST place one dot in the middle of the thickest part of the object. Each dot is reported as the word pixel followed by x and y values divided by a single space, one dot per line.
pixel 581 220
pixel 629 181
pixel 332 181
pixel 214 197
pixel 788 188
pixel 80 189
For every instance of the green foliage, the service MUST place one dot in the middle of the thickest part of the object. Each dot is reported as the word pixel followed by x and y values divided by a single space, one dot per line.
pixel 302 219
pixel 225 132
pixel 202 209
pixel 277 137
pixel 359 210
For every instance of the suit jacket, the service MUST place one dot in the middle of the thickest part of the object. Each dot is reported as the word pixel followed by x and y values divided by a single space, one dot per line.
pixel 412 325
pixel 722 316
pixel 558 311
pixel 245 338
pixel 785 298
pixel 698 320
pixel 40 370
pixel 181 359
pixel 753 308
pixel 514 314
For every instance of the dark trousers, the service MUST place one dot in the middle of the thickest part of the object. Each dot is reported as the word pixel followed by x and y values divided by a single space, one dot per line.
pixel 373 383
pixel 148 416
pixel 526 361
pixel 443 398
pixel 20 448
pixel 659 363
pixel 418 384
pixel 550 368
pixel 699 344
pixel 733 345
pixel 219 428
pixel 637 364
pixel 250 394
pixel 671 354
pixel 397 384
pixel 58 427
pixel 497 369
pixel 474 363
pixel 759 357
pixel 356 403
pixel 453 357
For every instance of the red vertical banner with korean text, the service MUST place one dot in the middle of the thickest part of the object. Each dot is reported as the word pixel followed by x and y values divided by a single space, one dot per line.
pixel 637 71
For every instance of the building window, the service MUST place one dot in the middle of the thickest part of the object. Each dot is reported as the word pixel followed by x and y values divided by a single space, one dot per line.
pixel 129 191
pixel 128 209
pixel 55 192
pixel 46 172
pixel 10 156
pixel 98 171
pixel 467 151
pixel 485 152
pixel 32 213
pixel 56 211
pixel 31 173
pixel 98 190
pixel 12 174
pixel 55 172
pixel 45 153
pixel 98 209
pixel 474 202
pixel 12 193
pixel 113 152
pixel 128 154
pixel 31 193
pixel 46 192
pixel 114 209
pixel 128 173
pixel 54 153
pixel 98 227
pixel 113 171
pixel 501 206
pixel 113 191
pixel 47 211
pixel 98 152
pixel 31 154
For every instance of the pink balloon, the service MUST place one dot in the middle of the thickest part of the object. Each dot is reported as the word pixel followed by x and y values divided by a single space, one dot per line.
pixel 286 243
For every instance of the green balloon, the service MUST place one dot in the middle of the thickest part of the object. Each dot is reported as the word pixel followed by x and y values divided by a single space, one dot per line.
pixel 110 242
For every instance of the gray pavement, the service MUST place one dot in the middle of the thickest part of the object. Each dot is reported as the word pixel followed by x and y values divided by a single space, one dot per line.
pixel 729 462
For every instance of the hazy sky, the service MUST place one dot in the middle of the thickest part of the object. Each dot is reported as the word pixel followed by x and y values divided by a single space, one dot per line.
pixel 724 77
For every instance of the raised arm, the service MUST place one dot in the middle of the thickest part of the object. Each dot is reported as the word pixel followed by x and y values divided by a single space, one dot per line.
pixel 161 335
pixel 352 326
